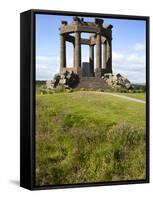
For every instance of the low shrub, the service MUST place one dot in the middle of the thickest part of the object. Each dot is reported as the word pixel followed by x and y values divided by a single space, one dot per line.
pixel 71 90
pixel 60 88
pixel 84 155
pixel 138 91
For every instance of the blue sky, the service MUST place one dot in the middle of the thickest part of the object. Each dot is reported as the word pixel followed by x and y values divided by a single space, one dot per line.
pixel 128 47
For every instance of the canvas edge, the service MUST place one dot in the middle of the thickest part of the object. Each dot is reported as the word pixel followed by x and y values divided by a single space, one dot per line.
pixel 29 153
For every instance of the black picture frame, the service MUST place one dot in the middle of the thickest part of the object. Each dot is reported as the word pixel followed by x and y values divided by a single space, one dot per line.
pixel 27 98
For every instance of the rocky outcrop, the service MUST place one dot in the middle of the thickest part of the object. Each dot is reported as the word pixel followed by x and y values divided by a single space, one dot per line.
pixel 117 81
pixel 72 80
pixel 67 79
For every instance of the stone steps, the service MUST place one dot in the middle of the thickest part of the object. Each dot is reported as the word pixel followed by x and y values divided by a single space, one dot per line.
pixel 93 82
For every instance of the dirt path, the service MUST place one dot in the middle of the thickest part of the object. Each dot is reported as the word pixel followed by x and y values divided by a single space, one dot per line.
pixel 125 97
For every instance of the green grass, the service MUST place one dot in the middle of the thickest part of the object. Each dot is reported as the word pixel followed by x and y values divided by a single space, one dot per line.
pixel 141 96
pixel 39 85
pixel 88 137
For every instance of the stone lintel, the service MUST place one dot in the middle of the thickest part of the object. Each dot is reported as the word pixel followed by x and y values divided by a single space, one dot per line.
pixel 88 29
pixel 71 39
pixel 78 27
pixel 73 28
pixel 93 40
pixel 68 28
pixel 85 41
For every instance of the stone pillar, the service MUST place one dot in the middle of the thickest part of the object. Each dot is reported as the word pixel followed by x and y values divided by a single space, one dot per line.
pixel 77 50
pixel 98 51
pixel 73 54
pixel 98 56
pixel 91 59
pixel 109 55
pixel 62 52
pixel 104 55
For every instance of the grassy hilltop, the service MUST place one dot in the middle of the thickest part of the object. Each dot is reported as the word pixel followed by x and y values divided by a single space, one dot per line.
pixel 88 136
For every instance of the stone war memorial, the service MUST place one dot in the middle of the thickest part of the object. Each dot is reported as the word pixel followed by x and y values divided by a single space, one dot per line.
pixel 100 38
pixel 97 72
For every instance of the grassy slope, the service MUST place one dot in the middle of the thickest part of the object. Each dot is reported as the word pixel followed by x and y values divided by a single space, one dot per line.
pixel 141 96
pixel 87 137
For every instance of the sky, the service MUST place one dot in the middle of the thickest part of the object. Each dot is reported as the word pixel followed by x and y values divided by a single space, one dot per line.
pixel 128 47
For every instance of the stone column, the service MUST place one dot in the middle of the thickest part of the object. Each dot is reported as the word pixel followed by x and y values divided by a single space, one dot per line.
pixel 91 59
pixel 109 55
pixel 104 55
pixel 62 52
pixel 98 51
pixel 77 50
pixel 98 56
pixel 73 54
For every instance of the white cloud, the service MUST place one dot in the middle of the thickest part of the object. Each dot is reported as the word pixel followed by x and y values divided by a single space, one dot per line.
pixel 117 56
pixel 138 47
pixel 45 72
pixel 131 64
pixel 47 58
pixel 129 61
pixel 42 58
pixel 136 58
pixel 46 66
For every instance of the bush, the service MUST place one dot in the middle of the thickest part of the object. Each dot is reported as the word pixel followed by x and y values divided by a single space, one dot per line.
pixel 139 87
pixel 60 88
pixel 127 146
pixel 51 91
pixel 71 90
pixel 87 155
pixel 138 91
pixel 43 91
pixel 124 90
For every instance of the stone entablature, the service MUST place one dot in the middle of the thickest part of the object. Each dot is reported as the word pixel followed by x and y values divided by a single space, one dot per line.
pixel 101 37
